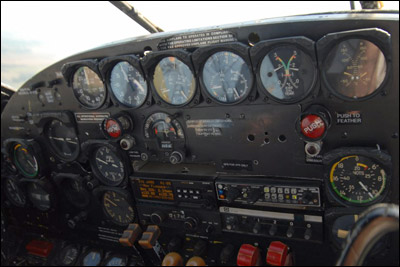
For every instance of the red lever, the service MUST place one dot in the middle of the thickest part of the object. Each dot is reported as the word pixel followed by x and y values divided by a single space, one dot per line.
pixel 248 256
pixel 277 254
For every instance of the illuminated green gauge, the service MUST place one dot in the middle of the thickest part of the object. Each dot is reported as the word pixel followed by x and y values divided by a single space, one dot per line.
pixel 355 68
pixel 117 208
pixel 25 161
pixel 128 85
pixel 92 258
pixel 358 180
pixel 108 166
pixel 14 192
pixel 63 140
pixel 88 88
pixel 227 77
pixel 174 81
pixel 287 73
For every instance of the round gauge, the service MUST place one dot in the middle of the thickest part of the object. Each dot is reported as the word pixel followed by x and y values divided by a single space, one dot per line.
pixel 93 258
pixel 116 261
pixel 75 193
pixel 128 85
pixel 14 192
pixel 63 140
pixel 88 88
pixel 109 166
pixel 25 161
pixel 227 77
pixel 358 180
pixel 117 208
pixel 163 128
pixel 287 73
pixel 39 196
pixel 174 81
pixel 354 69
pixel 69 255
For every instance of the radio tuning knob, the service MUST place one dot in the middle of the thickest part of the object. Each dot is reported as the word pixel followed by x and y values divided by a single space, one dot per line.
pixel 157 217
pixel 190 223
pixel 209 229
pixel 176 157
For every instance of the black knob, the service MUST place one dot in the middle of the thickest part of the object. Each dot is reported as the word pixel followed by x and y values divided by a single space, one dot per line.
pixel 176 157
pixel 200 248
pixel 209 229
pixel 82 216
pixel 232 194
pixel 226 254
pixel 307 234
pixel 175 244
pixel 290 231
pixel 92 184
pixel 257 228
pixel 157 217
pixel 272 231
pixel 190 224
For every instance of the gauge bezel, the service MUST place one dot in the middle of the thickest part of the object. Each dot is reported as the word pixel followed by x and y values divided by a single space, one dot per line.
pixel 150 62
pixel 99 192
pixel 91 146
pixel 62 253
pixel 379 156
pixel 325 45
pixel 21 188
pixel 259 51
pixel 47 187
pixel 202 54
pixel 68 70
pixel 85 253
pixel 115 255
pixel 107 65
pixel 123 130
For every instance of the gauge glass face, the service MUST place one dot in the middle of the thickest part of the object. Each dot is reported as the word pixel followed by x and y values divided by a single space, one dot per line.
pixel 88 88
pixel 118 208
pixel 174 81
pixel 69 255
pixel 160 126
pixel 14 193
pixel 227 77
pixel 39 197
pixel 358 179
pixel 76 194
pixel 63 140
pixel 110 166
pixel 25 161
pixel 93 258
pixel 287 73
pixel 116 261
pixel 128 85
pixel 355 68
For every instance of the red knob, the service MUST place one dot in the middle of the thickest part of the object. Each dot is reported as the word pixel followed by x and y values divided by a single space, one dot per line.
pixel 312 126
pixel 277 254
pixel 248 256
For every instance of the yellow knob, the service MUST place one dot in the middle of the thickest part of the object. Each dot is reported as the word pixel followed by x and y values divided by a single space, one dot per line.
pixel 196 261
pixel 172 259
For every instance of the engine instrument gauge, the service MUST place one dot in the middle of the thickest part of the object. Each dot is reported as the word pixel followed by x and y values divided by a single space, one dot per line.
pixel 69 255
pixel 117 208
pixel 92 258
pixel 39 196
pixel 354 69
pixel 108 166
pixel 174 81
pixel 14 192
pixel 88 88
pixel 128 85
pixel 287 73
pixel 358 179
pixel 63 140
pixel 25 160
pixel 227 77
pixel 164 128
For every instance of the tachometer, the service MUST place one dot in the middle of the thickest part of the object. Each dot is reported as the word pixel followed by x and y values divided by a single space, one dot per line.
pixel 88 88
pixel 63 140
pixel 128 85
pixel 358 179
pixel 108 166
pixel 355 69
pixel 287 73
pixel 25 160
pixel 227 77
pixel 174 81
pixel 117 208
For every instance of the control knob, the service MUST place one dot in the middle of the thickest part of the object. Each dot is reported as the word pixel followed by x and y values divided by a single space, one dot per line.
pixel 176 157
pixel 190 223
pixel 157 217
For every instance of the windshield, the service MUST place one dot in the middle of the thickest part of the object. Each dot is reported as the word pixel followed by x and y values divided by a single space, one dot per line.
pixel 35 35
